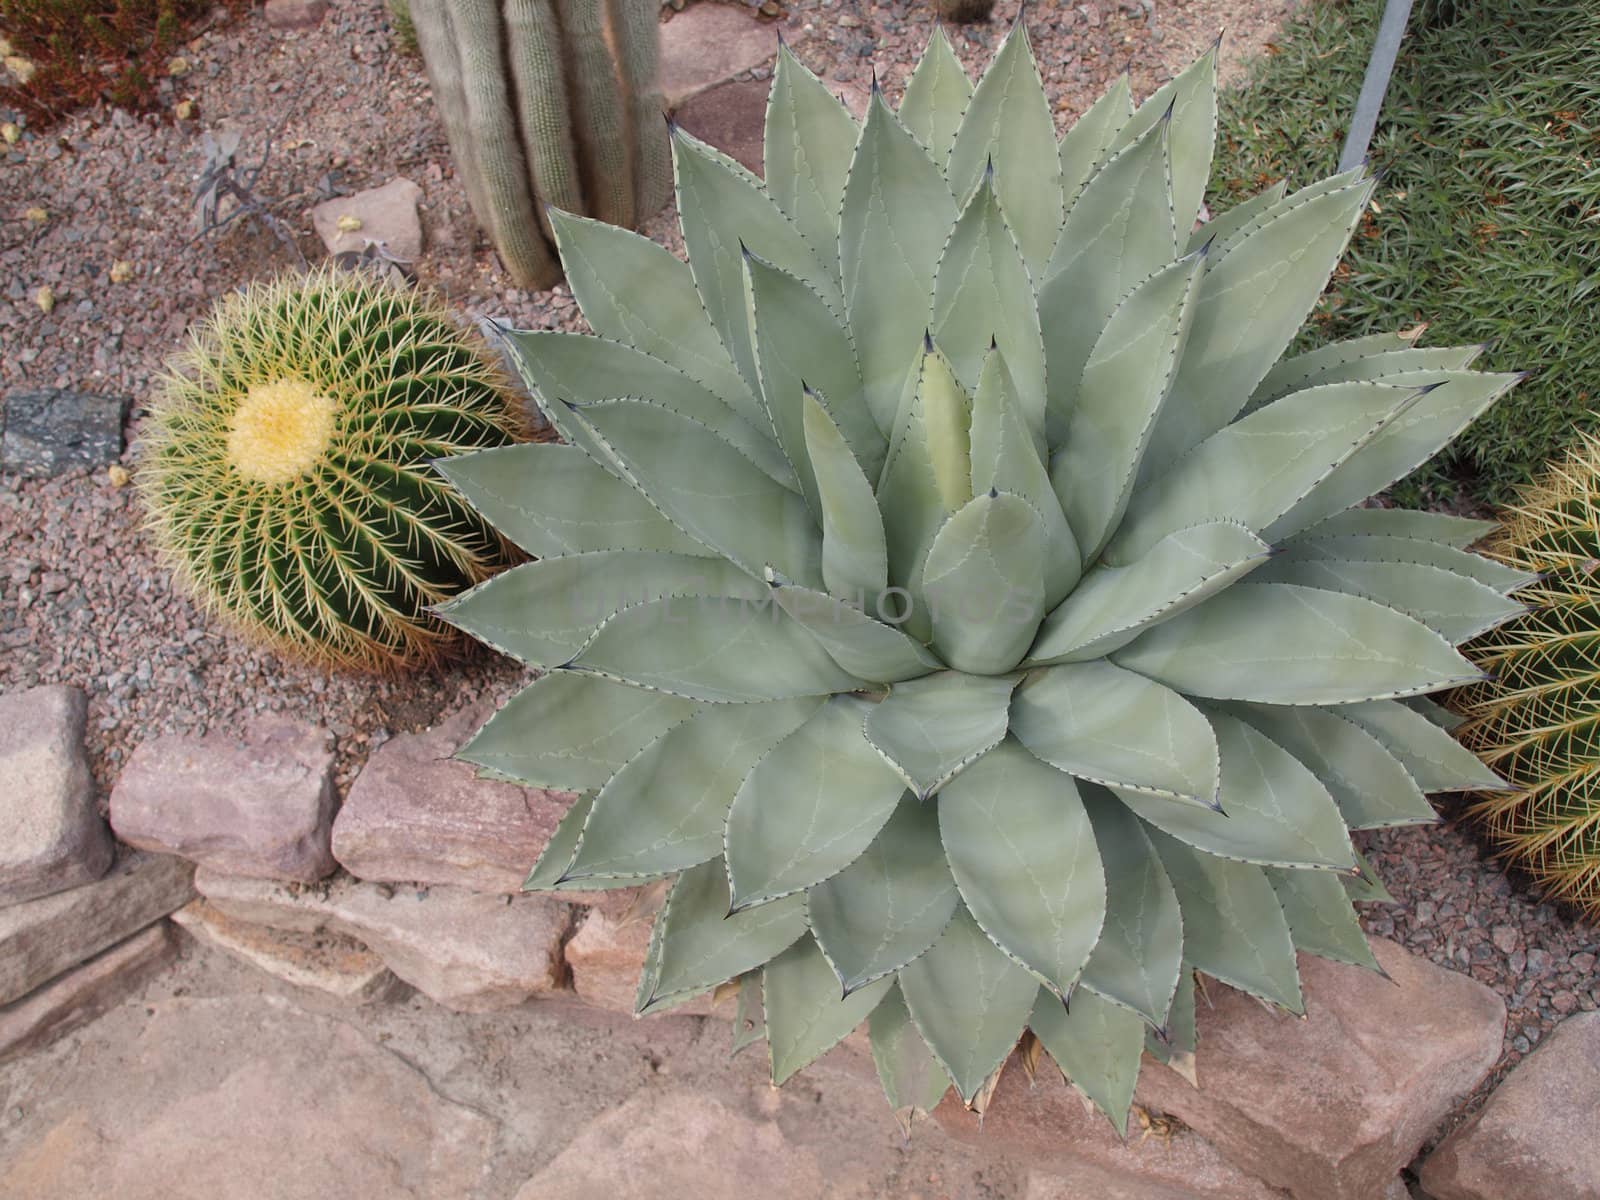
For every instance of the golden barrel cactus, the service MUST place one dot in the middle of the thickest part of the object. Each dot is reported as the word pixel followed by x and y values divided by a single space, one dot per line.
pixel 1536 721
pixel 286 467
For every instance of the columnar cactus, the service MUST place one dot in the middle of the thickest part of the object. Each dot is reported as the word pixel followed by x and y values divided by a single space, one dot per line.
pixel 285 466
pixel 947 584
pixel 1535 721
pixel 548 102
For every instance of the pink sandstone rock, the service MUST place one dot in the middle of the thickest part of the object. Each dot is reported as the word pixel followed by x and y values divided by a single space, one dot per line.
pixel 327 963
pixel 51 837
pixel 1536 1135
pixel 414 814
pixel 1078 1153
pixel 605 954
pixel 248 1098
pixel 295 14
pixel 386 215
pixel 258 803
pixel 678 1144
pixel 468 951
pixel 1332 1106
pixel 731 117
pixel 84 993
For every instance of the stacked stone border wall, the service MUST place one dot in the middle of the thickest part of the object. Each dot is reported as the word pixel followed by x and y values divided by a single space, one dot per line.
pixel 413 883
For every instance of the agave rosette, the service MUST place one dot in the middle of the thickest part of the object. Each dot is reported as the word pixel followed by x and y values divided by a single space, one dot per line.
pixel 945 582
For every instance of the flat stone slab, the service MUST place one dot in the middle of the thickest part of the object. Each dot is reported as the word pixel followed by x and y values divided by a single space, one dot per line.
pixel 1332 1106
pixel 258 803
pixel 84 993
pixel 241 1098
pixel 324 962
pixel 678 1144
pixel 1536 1136
pixel 415 815
pixel 731 117
pixel 468 951
pixel 39 939
pixel 51 836
pixel 385 216
pixel 51 431
pixel 708 44
pixel 1078 1154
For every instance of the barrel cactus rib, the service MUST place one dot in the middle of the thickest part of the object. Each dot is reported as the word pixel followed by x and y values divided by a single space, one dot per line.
pixel 1042 749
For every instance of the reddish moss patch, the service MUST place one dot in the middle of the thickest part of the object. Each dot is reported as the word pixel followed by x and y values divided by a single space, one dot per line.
pixel 89 50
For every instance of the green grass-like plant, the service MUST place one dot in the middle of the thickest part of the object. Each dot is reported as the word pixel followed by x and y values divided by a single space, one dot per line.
pixel 401 28
pixel 286 466
pixel 1490 215
pixel 1536 721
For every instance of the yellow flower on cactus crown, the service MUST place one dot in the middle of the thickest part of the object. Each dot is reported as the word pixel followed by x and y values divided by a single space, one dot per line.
pixel 280 430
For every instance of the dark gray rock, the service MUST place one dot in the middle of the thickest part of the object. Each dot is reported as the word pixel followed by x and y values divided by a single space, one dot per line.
pixel 49 432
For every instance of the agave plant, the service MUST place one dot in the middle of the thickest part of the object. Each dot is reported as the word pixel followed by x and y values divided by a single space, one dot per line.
pixel 945 582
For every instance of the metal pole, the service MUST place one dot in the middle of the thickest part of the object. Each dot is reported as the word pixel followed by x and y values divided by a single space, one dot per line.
pixel 1376 81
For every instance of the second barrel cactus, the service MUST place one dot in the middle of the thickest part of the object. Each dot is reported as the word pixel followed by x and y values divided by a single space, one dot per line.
pixel 548 102
pixel 1534 720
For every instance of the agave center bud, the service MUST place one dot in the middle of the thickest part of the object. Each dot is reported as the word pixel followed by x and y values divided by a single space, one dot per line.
pixel 280 430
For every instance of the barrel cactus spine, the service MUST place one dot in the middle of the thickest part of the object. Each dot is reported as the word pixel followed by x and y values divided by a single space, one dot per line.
pixel 947 585
pixel 285 466
pixel 1535 721
pixel 548 102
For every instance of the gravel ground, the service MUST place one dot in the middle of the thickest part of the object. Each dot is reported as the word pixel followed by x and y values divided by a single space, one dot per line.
pixel 83 601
